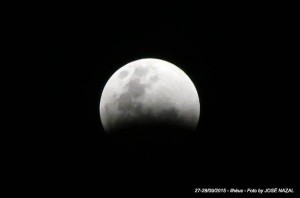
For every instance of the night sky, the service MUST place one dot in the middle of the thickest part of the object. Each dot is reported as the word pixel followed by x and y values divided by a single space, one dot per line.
pixel 235 58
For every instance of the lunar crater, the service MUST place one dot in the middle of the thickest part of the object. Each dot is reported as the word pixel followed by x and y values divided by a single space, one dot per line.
pixel 154 79
pixel 123 74
pixel 140 71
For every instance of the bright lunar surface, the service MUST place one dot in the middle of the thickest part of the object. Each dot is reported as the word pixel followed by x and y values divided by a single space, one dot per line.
pixel 146 93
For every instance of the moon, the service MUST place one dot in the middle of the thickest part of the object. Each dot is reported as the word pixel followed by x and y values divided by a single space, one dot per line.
pixel 149 93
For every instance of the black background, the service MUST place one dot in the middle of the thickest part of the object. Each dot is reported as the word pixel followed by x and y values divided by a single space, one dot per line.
pixel 236 55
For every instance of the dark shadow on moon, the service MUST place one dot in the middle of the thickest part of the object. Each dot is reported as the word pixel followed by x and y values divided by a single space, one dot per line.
pixel 151 131
pixel 133 113
pixel 151 136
